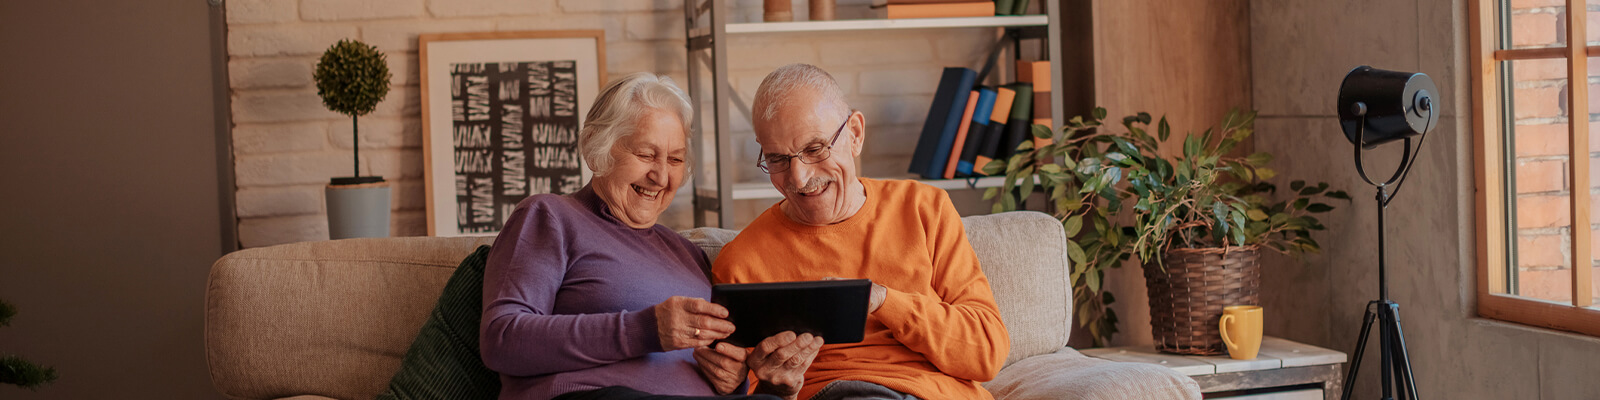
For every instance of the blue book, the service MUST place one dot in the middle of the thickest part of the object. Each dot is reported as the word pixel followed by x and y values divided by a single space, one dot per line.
pixel 944 118
pixel 980 123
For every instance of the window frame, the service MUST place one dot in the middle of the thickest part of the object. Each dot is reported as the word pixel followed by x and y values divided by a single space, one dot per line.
pixel 1490 163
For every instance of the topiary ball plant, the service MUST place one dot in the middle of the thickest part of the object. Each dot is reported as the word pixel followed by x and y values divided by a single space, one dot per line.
pixel 352 78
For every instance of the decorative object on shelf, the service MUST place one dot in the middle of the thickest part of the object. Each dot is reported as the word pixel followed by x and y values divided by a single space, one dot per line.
pixel 16 371
pixel 1202 213
pixel 824 10
pixel 1241 330
pixel 352 78
pixel 501 113
pixel 777 11
pixel 1378 107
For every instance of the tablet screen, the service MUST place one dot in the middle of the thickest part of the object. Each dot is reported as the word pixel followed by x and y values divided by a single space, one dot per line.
pixel 835 310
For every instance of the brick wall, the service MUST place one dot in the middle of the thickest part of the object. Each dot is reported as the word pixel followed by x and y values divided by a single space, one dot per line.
pixel 1543 184
pixel 286 145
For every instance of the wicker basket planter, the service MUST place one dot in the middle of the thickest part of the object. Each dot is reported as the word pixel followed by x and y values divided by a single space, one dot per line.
pixel 1187 300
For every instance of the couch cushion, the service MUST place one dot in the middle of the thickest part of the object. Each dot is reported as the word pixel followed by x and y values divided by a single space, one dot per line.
pixel 1068 374
pixel 443 363
pixel 1023 254
pixel 328 318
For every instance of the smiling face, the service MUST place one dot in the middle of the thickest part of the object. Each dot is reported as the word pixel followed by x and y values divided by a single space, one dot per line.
pixel 648 168
pixel 826 192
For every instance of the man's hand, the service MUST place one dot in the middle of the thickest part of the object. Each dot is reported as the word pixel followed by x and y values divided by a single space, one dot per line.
pixel 780 363
pixel 687 322
pixel 875 300
pixel 723 366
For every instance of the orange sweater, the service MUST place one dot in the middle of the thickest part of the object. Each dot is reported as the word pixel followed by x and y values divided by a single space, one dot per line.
pixel 938 332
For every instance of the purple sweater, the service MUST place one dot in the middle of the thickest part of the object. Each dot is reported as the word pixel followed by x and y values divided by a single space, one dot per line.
pixel 568 301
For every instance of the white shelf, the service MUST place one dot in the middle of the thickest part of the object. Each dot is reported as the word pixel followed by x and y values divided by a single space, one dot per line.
pixel 877 24
pixel 764 190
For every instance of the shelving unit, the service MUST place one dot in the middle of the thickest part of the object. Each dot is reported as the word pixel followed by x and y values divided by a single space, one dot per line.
pixel 708 34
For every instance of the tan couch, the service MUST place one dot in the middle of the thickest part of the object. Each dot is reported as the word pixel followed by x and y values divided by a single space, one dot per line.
pixel 332 319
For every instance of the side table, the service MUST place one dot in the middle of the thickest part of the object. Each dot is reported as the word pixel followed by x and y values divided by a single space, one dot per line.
pixel 1282 370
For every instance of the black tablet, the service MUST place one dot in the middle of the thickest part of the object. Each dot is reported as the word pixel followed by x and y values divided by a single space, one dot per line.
pixel 835 310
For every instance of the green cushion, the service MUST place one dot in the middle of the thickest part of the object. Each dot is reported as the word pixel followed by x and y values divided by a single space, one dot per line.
pixel 443 363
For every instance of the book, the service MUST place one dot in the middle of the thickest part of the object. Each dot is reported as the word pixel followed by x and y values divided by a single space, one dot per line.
pixel 1004 7
pixel 1019 125
pixel 1021 8
pixel 1035 72
pixel 835 310
pixel 923 2
pixel 967 143
pixel 939 10
pixel 939 130
pixel 995 132
pixel 961 136
pixel 1038 73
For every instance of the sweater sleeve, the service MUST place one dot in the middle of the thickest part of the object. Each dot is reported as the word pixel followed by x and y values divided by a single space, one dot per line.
pixel 519 336
pixel 960 330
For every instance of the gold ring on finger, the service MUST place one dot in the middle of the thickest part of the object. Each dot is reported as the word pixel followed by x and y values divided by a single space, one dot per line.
pixel 696 333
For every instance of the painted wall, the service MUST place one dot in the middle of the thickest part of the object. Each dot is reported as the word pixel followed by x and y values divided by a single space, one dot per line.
pixel 1301 50
pixel 111 205
pixel 287 145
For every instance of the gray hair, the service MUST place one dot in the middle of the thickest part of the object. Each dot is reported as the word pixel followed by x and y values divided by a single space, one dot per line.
pixel 618 109
pixel 780 85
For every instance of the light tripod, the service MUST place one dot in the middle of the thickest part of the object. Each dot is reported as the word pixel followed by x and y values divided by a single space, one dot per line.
pixel 1389 106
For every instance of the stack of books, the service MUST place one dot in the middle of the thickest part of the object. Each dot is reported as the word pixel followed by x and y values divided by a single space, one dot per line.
pixel 899 9
pixel 970 124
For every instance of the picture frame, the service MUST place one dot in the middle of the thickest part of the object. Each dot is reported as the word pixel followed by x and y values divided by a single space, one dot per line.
pixel 501 112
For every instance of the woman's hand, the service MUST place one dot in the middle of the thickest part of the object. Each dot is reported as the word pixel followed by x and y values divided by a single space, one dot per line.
pixel 686 322
pixel 723 366
pixel 780 362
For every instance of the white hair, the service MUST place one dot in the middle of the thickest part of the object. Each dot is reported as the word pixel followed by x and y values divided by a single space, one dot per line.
pixel 618 109
pixel 780 85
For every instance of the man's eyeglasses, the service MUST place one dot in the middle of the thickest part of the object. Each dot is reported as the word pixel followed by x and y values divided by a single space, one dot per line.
pixel 777 163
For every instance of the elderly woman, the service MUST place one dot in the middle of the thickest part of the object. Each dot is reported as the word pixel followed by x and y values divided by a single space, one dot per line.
pixel 584 295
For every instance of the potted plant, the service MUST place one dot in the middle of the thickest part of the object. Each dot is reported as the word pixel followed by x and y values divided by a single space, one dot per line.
pixel 352 77
pixel 1195 221
pixel 14 370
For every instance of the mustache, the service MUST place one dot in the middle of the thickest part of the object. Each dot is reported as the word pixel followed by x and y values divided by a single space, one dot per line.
pixel 815 183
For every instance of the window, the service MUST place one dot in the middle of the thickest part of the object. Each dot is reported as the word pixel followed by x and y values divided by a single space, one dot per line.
pixel 1536 137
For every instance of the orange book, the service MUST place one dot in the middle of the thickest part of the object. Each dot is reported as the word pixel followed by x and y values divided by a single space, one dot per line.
pixel 997 123
pixel 1035 72
pixel 961 135
pixel 940 10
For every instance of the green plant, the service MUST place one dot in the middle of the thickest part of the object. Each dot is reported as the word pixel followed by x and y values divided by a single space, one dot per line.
pixel 352 77
pixel 1202 198
pixel 16 371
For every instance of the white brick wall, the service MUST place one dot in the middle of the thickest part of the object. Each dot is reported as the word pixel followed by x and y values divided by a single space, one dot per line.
pixel 287 146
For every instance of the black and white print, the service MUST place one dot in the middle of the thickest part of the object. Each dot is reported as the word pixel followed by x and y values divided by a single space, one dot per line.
pixel 514 129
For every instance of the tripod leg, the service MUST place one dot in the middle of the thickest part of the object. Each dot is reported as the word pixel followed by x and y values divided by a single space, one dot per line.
pixel 1361 346
pixel 1385 333
pixel 1402 361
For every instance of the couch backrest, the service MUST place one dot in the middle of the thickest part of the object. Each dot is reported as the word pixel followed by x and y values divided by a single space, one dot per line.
pixel 334 318
pixel 330 318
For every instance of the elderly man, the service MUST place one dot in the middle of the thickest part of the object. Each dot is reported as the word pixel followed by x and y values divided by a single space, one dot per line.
pixel 933 331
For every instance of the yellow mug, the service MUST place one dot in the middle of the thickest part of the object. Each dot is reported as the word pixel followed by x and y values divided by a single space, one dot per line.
pixel 1241 331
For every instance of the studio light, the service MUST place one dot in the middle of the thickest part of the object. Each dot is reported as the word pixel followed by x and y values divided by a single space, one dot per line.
pixel 1378 107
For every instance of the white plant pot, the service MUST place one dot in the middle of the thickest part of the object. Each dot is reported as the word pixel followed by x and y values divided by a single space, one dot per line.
pixel 358 210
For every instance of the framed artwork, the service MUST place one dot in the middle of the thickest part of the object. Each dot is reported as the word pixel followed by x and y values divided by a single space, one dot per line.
pixel 500 114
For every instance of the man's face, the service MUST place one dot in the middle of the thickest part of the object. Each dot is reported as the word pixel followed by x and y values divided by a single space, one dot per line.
pixel 827 191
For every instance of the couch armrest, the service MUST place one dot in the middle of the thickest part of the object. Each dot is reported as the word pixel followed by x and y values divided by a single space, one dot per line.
pixel 1067 374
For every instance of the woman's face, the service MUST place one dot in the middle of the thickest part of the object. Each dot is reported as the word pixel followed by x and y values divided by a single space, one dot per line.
pixel 648 169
